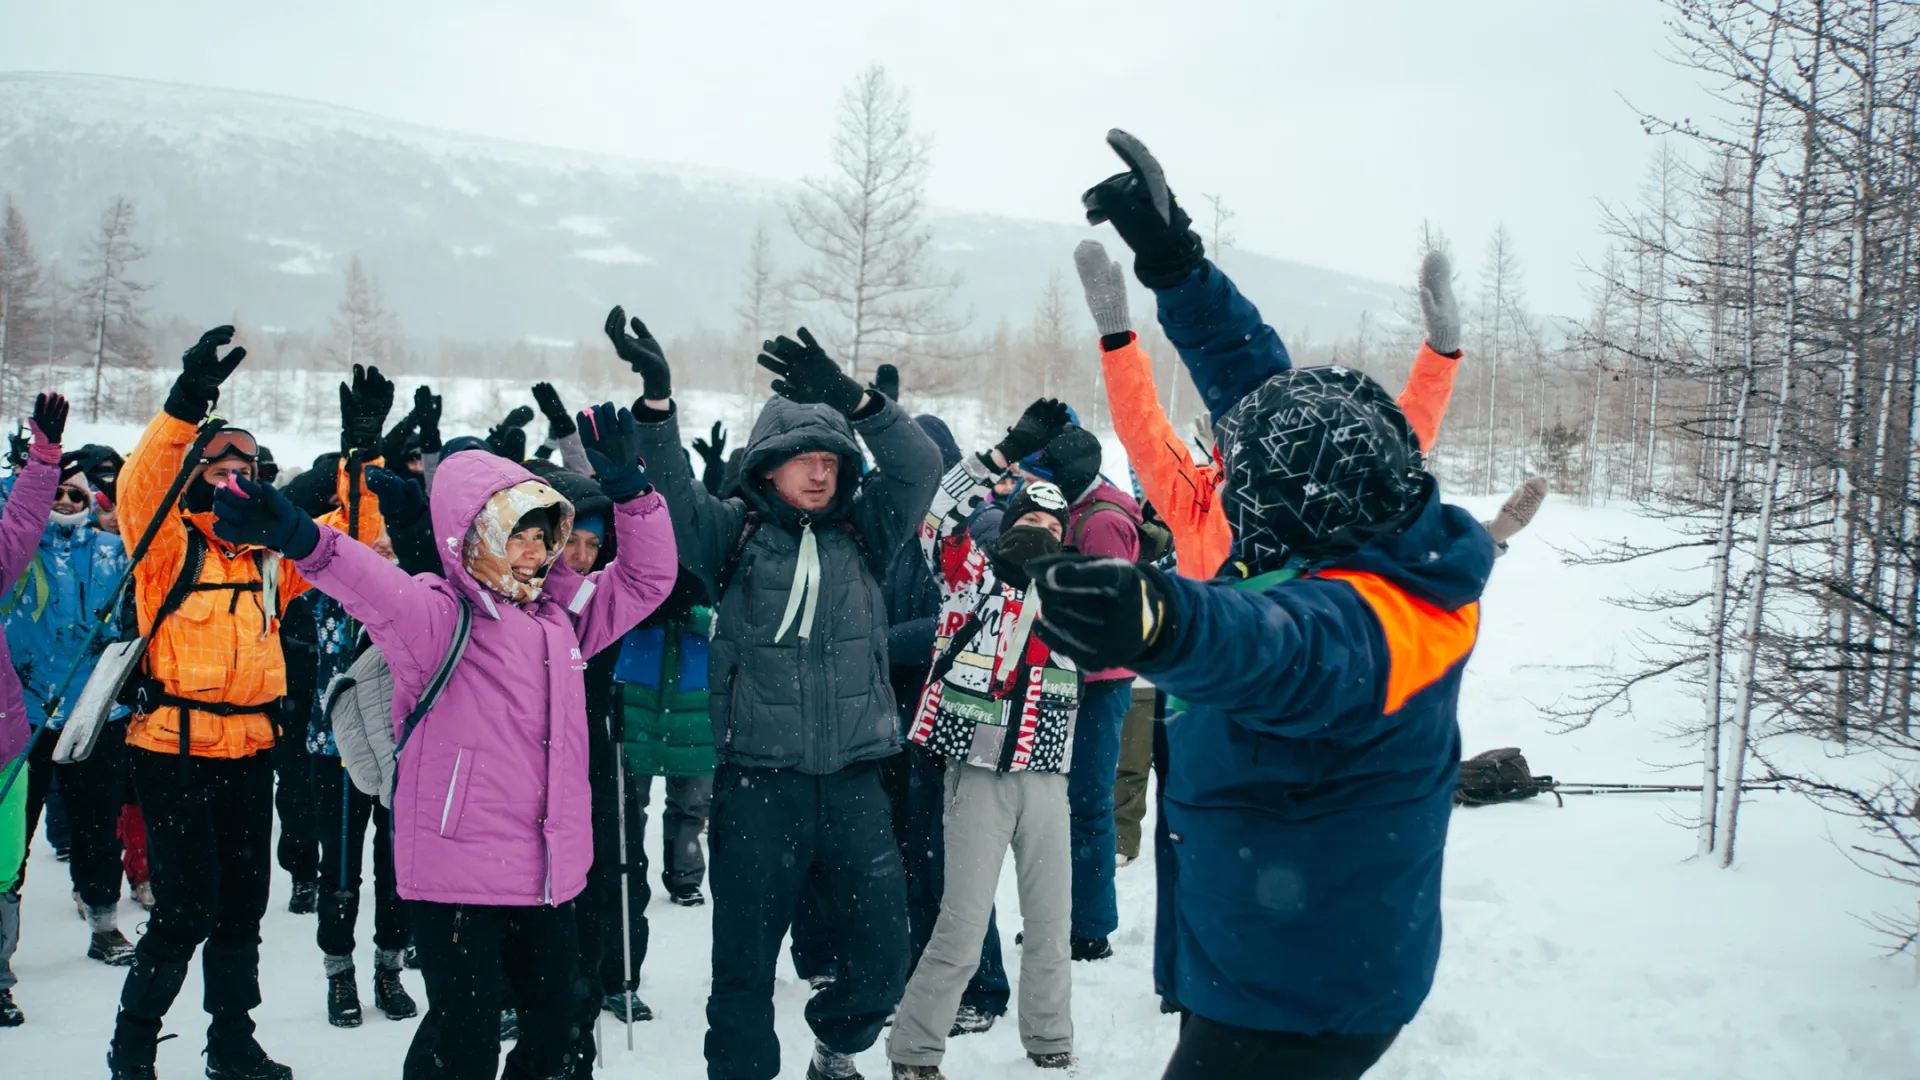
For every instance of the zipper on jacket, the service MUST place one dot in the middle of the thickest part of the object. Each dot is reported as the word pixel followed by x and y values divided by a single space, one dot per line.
pixel 459 912
pixel 453 783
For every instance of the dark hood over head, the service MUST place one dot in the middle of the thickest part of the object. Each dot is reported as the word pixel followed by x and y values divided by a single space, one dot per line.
pixel 785 429
pixel 1443 557
pixel 942 437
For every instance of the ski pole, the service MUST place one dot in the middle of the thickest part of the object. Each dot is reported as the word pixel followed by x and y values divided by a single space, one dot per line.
pixel 1629 789
pixel 51 704
pixel 626 912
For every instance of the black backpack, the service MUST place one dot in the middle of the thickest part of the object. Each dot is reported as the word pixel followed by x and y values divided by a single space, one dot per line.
pixel 1498 776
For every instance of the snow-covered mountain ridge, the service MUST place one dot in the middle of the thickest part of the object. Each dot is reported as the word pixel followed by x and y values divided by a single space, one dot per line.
pixel 252 204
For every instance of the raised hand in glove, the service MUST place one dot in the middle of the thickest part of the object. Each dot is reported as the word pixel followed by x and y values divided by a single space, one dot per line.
pixel 886 382
pixel 49 423
pixel 612 439
pixel 247 513
pixel 1103 613
pixel 806 373
pixel 19 445
pixel 1105 285
pixel 642 353
pixel 402 499
pixel 559 420
pixel 1437 304
pixel 364 404
pixel 509 439
pixel 1044 419
pixel 202 370
pixel 426 413
pixel 1147 216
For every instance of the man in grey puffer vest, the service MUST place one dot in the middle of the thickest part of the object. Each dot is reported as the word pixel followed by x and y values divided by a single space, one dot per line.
pixel 801 703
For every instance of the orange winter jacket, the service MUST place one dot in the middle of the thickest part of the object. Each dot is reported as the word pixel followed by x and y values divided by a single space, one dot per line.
pixel 220 646
pixel 1187 494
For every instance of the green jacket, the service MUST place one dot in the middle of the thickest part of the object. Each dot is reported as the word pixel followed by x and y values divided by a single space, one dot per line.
pixel 661 679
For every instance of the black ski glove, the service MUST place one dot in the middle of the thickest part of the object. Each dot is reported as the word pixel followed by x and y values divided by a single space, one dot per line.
pixel 1147 216
pixel 202 370
pixel 393 446
pixel 259 515
pixel 1035 429
pixel 612 439
pixel 642 353
pixel 714 453
pixel 364 405
pixel 49 418
pixel 1104 613
pixel 1074 457
pixel 509 439
pixel 426 413
pixel 886 382
pixel 559 420
pixel 806 373
pixel 402 499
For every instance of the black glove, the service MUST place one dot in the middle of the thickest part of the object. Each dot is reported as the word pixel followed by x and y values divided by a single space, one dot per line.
pixel 1146 215
pixel 49 418
pixel 426 413
pixel 642 353
pixel 1103 613
pixel 19 445
pixel 1034 430
pixel 402 499
pixel 559 420
pixel 886 382
pixel 713 452
pixel 612 439
pixel 1074 457
pixel 202 370
pixel 259 515
pixel 509 439
pixel 393 446
pixel 808 375
pixel 364 405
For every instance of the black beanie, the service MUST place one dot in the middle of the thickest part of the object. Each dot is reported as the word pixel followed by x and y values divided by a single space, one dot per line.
pixel 1037 495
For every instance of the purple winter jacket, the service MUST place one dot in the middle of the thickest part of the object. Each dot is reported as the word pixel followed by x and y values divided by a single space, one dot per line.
pixel 21 524
pixel 491 804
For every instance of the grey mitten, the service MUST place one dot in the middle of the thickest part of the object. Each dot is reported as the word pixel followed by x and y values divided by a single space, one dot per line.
pixel 1105 283
pixel 1437 303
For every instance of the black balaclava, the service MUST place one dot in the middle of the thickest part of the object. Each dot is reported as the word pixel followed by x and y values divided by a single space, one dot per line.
pixel 1016 547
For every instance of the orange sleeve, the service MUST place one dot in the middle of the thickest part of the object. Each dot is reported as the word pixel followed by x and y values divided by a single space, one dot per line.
pixel 144 481
pixel 1429 391
pixel 292 583
pixel 1180 490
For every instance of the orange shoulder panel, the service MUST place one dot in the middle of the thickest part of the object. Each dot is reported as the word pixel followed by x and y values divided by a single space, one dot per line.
pixel 1423 641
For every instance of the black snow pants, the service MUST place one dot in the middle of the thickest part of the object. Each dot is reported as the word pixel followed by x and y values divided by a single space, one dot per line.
pixel 1210 1050
pixel 343 814
pixel 471 956
pixel 293 796
pixel 93 791
pixel 772 831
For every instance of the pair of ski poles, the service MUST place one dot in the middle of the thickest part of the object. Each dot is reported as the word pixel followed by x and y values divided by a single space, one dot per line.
pixel 58 698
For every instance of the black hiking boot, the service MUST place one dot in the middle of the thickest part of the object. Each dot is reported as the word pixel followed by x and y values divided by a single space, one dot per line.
pixel 1051 1061
pixel 111 948
pixel 831 1065
pixel 305 899
pixel 971 1020
pixel 390 995
pixel 1091 948
pixel 10 1014
pixel 121 1070
pixel 688 897
pixel 343 1000
pixel 144 999
pixel 509 1025
pixel 616 1006
pixel 243 1061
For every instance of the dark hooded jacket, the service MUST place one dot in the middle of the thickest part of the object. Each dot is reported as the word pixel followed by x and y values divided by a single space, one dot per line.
pixel 819 702
pixel 913 597
pixel 1311 780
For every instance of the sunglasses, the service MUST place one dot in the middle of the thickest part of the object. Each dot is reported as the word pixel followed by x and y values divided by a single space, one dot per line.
pixel 67 493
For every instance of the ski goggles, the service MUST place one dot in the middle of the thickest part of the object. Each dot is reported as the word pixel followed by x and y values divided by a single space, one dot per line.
pixel 231 443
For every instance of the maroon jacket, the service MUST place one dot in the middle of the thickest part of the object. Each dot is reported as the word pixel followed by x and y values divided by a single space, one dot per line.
pixel 1107 533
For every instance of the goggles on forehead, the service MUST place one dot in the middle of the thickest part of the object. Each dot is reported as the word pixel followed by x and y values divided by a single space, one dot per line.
pixel 1046 496
pixel 231 442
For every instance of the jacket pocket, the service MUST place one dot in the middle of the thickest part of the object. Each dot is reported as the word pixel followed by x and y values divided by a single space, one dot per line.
pixel 195 650
pixel 455 800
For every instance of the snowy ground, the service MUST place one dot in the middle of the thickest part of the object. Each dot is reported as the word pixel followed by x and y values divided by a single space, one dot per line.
pixel 1581 942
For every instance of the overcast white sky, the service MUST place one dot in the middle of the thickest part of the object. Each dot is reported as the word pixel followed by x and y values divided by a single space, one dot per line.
pixel 1332 127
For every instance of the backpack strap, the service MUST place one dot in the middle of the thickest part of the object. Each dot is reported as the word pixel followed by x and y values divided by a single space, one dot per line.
pixel 442 675
pixel 1098 506
pixel 730 565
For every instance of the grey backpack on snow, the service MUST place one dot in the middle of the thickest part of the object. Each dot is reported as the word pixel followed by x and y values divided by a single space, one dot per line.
pixel 359 702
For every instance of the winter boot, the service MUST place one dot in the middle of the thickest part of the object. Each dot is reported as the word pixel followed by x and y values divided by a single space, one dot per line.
pixel 10 1014
pixel 690 897
pixel 509 1025
pixel 831 1065
pixel 1517 512
pixel 144 999
pixel 143 895
pixel 1091 948
pixel 917 1072
pixel 971 1020
pixel 616 1004
pixel 305 899
pixel 1051 1061
pixel 389 994
pixel 343 994
pixel 232 977
pixel 111 948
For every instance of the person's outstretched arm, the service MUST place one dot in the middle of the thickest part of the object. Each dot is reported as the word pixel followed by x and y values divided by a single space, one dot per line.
pixel 30 504
pixel 1429 387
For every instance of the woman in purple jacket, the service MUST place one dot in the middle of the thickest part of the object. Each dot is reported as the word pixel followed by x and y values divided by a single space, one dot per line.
pixel 28 509
pixel 492 822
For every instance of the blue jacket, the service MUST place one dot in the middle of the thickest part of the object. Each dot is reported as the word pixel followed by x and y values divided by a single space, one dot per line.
pixel 50 612
pixel 1220 336
pixel 1311 781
